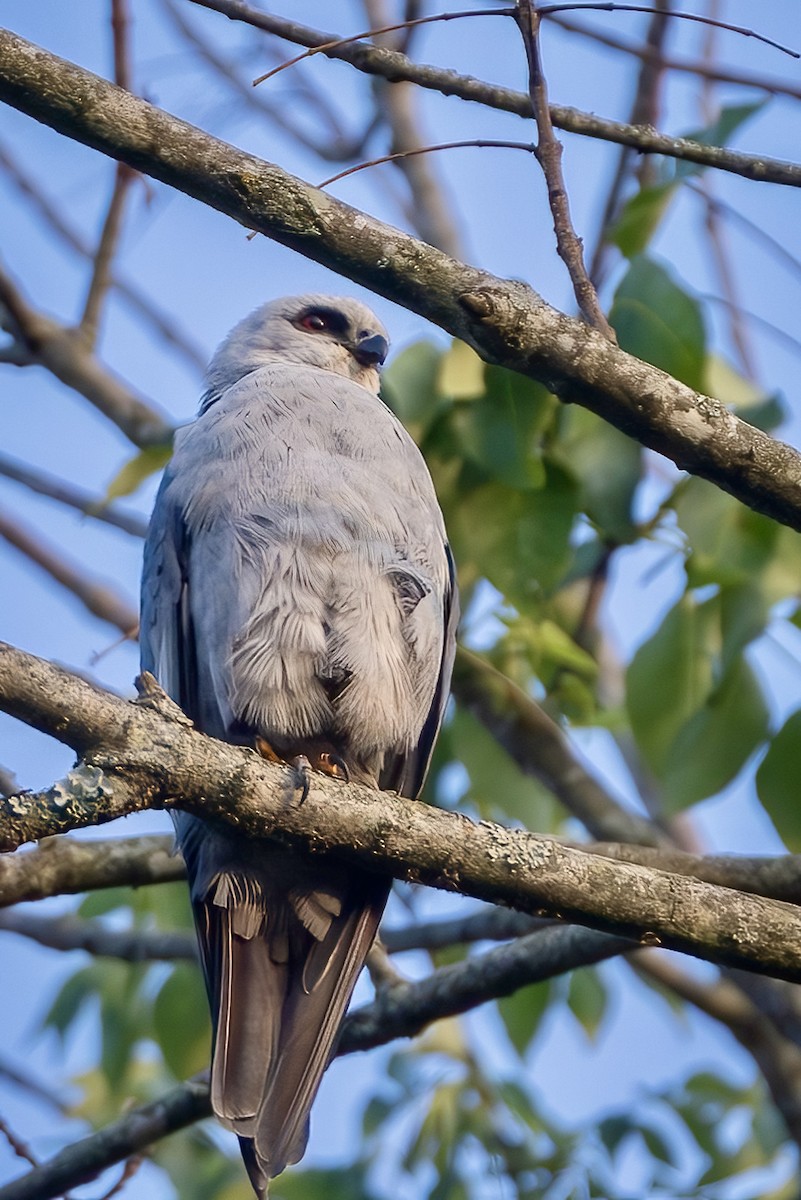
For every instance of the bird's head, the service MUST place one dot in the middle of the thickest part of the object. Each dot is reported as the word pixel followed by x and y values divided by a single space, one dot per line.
pixel 334 333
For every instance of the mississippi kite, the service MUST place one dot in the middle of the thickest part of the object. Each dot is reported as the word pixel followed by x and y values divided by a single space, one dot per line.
pixel 297 595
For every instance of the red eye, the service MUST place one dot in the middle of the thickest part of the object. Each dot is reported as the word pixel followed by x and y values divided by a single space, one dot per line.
pixel 314 322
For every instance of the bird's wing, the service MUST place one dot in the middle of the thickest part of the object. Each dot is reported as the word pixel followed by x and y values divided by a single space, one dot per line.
pixel 405 773
pixel 282 940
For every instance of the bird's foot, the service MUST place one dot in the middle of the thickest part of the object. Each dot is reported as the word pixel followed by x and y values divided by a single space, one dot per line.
pixel 332 764
pixel 301 770
pixel 327 762
pixel 299 766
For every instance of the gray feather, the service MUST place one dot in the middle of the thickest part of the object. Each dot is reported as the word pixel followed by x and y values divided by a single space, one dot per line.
pixel 297 587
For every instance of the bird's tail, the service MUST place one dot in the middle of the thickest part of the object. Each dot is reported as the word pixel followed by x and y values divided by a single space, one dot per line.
pixel 281 963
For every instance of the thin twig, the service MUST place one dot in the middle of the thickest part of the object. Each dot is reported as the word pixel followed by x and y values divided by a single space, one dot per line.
pixel 395 67
pixel 100 281
pixel 123 177
pixel 744 30
pixel 549 156
pixel 687 66
pixel 163 323
pixel 66 493
pixel 100 599
pixel 20 1148
pixel 336 43
pixel 480 143
pixel 644 111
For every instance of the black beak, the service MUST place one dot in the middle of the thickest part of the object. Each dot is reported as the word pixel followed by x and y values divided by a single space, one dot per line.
pixel 371 350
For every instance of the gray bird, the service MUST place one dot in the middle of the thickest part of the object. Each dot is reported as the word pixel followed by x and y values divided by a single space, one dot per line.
pixel 297 595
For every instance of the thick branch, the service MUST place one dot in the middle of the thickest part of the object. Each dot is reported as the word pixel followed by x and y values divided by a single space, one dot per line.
pixel 69 932
pixel 59 866
pixel 506 322
pixel 136 757
pixel 396 67
pixel 402 1011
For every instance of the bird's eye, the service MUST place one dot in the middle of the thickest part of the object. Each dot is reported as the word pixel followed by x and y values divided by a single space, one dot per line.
pixel 314 321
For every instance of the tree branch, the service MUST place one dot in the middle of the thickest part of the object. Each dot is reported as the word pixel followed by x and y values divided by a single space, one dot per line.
pixel 65 353
pixel 74 497
pixel 59 866
pixel 100 599
pixel 146 755
pixel 401 1011
pixel 69 932
pixel 396 67
pixel 506 322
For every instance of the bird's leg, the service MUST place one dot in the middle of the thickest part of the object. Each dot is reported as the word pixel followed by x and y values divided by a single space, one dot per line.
pixel 330 763
pixel 299 766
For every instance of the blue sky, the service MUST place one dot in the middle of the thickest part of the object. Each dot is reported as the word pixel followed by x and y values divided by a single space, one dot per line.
pixel 201 268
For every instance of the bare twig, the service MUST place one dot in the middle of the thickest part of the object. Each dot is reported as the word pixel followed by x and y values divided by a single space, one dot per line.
pixel 428 211
pixel 549 156
pixel 100 599
pixel 394 67
pixel 644 111
pixel 104 256
pixel 695 67
pixel 123 177
pixel 66 493
pixel 337 43
pixel 64 353
pixel 162 323
pixel 701 18
pixel 472 143
pixel 20 1148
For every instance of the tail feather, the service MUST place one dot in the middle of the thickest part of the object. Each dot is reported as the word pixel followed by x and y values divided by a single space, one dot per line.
pixel 282 944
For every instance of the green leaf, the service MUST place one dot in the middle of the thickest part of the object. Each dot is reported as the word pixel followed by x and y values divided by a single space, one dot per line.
pixel 640 218
pixel 659 322
pixel 497 785
pixel 70 1000
pixel 522 1013
pixel 409 387
pixel 716 742
pixel 667 681
pixel 608 466
pixel 519 540
pixel 586 999
pixel 144 464
pixel 501 431
pixel 777 782
pixel 718 133
pixel 461 372
pixel 181 1021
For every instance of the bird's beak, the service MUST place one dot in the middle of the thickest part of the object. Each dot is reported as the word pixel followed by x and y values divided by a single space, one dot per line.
pixel 371 350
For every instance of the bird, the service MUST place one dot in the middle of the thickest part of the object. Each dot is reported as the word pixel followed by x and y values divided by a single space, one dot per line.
pixel 298 597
